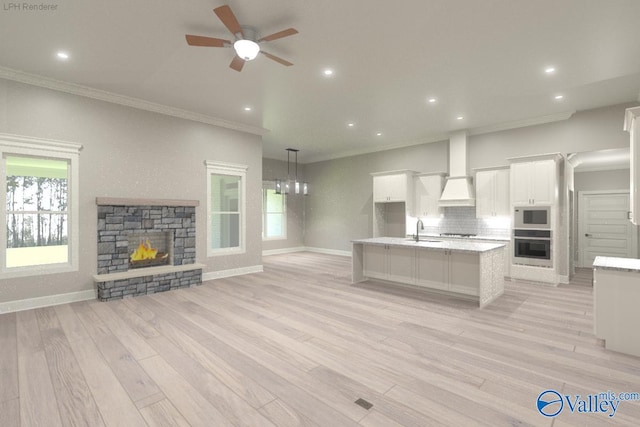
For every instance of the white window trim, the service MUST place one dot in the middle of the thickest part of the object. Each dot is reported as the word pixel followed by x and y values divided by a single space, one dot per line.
pixel 38 147
pixel 268 185
pixel 232 169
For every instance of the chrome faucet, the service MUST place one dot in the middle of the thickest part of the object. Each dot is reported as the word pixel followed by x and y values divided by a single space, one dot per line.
pixel 419 226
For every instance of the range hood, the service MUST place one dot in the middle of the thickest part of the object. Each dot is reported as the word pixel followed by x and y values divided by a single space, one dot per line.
pixel 458 190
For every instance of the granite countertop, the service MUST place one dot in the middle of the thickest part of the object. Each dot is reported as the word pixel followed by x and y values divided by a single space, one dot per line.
pixel 429 243
pixel 621 264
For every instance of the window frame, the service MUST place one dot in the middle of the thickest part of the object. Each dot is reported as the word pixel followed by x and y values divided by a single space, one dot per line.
pixel 229 169
pixel 16 145
pixel 270 185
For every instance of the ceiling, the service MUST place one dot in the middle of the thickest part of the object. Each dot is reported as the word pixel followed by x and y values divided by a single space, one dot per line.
pixel 483 60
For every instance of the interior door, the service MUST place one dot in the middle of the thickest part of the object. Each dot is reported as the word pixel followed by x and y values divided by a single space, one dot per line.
pixel 604 228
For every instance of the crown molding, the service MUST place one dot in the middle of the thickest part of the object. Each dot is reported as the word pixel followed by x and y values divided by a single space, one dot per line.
pixel 565 115
pixel 102 95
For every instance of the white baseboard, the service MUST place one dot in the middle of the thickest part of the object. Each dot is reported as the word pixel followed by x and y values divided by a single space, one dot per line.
pixel 47 301
pixel 231 272
pixel 328 251
pixel 306 249
pixel 283 251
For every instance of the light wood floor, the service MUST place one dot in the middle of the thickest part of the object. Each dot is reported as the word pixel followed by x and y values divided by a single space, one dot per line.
pixel 297 345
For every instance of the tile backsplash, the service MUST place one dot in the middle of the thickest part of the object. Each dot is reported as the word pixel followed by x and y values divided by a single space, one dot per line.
pixel 463 220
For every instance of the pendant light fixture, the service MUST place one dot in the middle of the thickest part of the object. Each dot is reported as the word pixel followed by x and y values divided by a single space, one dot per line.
pixel 290 186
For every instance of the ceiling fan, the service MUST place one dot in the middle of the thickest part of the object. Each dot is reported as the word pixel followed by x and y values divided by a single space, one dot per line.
pixel 246 44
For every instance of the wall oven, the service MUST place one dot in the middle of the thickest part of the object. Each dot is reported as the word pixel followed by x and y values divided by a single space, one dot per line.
pixel 538 217
pixel 532 247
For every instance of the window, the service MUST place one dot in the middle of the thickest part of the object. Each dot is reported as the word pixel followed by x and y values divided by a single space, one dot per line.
pixel 226 193
pixel 39 206
pixel 274 214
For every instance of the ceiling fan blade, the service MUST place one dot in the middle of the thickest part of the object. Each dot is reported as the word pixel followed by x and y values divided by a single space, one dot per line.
pixel 279 35
pixel 228 19
pixel 237 63
pixel 275 58
pixel 206 41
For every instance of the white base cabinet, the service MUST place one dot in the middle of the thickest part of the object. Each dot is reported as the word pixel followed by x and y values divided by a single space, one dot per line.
pixel 446 270
pixel 432 269
pixel 475 274
pixel 616 297
pixel 391 263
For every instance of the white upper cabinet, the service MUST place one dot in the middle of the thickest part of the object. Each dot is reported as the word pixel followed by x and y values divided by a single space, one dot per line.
pixel 394 186
pixel 427 188
pixel 534 182
pixel 492 193
pixel 632 125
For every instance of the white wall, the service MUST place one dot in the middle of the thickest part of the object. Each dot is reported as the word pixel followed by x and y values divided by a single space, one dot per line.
pixel 340 206
pixel 602 180
pixel 129 153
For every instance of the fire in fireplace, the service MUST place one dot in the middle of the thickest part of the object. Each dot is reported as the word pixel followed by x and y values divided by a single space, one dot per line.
pixel 151 251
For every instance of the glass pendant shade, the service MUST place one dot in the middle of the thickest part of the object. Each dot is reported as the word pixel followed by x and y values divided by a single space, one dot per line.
pixel 289 185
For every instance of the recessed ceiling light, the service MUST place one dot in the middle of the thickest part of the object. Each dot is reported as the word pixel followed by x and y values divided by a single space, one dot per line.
pixel 379 134
pixel 247 108
pixel 558 97
pixel 432 100
pixel 459 117
pixel 62 55
pixel 351 124
pixel 550 70
pixel 327 72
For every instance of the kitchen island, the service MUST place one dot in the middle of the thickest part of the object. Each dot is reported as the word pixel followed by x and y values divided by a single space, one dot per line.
pixel 616 298
pixel 468 269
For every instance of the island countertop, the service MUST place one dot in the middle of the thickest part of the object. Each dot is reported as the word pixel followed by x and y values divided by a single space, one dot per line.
pixel 622 264
pixel 429 243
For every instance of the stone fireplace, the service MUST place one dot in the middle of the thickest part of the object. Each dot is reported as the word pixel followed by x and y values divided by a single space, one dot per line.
pixel 145 246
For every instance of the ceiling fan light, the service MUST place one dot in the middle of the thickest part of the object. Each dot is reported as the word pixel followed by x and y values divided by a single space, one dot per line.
pixel 246 49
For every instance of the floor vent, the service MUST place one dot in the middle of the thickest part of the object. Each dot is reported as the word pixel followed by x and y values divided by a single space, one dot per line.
pixel 364 404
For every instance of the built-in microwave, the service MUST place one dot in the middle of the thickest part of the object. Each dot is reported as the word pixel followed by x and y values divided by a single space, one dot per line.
pixel 538 217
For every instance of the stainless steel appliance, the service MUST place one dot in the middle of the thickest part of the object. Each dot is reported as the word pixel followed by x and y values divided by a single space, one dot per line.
pixel 532 247
pixel 538 217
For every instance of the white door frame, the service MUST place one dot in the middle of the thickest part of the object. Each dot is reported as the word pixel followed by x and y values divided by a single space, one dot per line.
pixel 580 239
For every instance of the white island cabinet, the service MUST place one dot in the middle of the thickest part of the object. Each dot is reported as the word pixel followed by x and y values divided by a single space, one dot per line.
pixel 467 269
pixel 616 298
